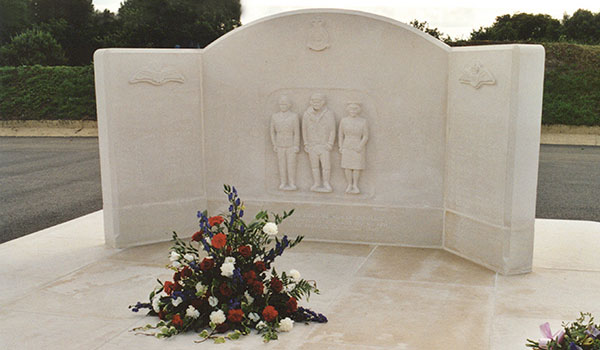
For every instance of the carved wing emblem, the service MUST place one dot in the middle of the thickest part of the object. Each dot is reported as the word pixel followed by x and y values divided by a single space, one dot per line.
pixel 318 38
pixel 477 75
pixel 157 76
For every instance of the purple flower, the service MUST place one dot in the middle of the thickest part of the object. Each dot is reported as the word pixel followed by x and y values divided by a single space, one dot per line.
pixel 593 331
pixel 574 346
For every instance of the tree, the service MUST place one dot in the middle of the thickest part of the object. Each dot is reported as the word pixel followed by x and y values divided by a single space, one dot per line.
pixel 171 23
pixel 424 26
pixel 70 23
pixel 14 18
pixel 520 27
pixel 582 27
pixel 32 47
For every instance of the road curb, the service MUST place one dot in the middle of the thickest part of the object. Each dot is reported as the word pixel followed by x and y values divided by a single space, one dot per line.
pixel 49 128
pixel 570 135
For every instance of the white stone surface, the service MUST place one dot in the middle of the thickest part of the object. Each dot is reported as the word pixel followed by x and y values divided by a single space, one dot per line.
pixel 453 135
pixel 62 289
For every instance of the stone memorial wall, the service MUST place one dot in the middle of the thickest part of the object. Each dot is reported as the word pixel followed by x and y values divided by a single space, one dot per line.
pixel 372 130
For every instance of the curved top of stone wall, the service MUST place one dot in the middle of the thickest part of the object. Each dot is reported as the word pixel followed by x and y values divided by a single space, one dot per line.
pixel 328 11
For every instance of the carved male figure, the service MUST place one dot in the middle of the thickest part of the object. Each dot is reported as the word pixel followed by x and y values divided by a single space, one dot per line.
pixel 352 138
pixel 285 136
pixel 318 132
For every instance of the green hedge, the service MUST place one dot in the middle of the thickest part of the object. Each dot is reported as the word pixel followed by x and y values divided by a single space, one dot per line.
pixel 38 93
pixel 572 84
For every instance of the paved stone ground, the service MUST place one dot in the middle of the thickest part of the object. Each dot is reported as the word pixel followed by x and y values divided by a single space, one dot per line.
pixel 46 181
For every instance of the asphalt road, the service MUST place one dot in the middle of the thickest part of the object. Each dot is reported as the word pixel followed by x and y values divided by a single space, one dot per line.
pixel 569 183
pixel 47 181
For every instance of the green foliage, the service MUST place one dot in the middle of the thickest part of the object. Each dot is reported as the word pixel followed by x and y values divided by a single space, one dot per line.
pixel 14 18
pixel 32 47
pixel 520 26
pixel 582 27
pixel 171 23
pixel 38 93
pixel 571 84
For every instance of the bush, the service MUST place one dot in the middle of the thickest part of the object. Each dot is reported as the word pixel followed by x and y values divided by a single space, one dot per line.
pixel 38 93
pixel 31 47
pixel 571 84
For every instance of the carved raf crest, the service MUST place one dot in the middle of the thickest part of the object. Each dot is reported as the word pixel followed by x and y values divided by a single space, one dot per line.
pixel 477 75
pixel 157 76
pixel 318 38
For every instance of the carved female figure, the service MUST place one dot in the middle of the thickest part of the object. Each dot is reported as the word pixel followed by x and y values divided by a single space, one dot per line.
pixel 352 137
pixel 285 136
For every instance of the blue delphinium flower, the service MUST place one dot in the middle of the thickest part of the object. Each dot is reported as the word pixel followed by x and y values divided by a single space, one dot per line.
pixel 574 346
pixel 237 276
pixel 139 306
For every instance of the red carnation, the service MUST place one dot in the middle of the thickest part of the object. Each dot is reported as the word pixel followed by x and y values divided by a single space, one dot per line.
pixel 178 322
pixel 228 249
pixel 260 266
pixel 168 287
pixel 276 285
pixel 215 220
pixel 176 276
pixel 270 314
pixel 225 290
pixel 197 236
pixel 218 241
pixel 249 276
pixel 177 287
pixel 235 315
pixel 292 304
pixel 186 272
pixel 245 251
pixel 258 287
pixel 207 264
pixel 161 315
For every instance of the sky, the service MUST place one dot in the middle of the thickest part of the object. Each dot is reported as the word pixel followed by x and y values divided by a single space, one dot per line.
pixel 456 18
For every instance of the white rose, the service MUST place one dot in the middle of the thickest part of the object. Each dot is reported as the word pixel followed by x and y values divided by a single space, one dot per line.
pixel 253 316
pixel 213 301
pixel 227 269
pixel 295 275
pixel 217 317
pixel 230 259
pixel 259 258
pixel 248 297
pixel 270 228
pixel 189 257
pixel 176 264
pixel 192 312
pixel 260 325
pixel 286 324
pixel 177 301
pixel 155 304
pixel 174 256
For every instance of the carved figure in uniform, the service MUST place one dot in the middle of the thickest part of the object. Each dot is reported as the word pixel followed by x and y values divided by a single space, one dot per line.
pixel 318 132
pixel 285 136
pixel 352 137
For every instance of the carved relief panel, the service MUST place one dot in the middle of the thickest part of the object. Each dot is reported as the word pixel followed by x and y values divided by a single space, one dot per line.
pixel 317 142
